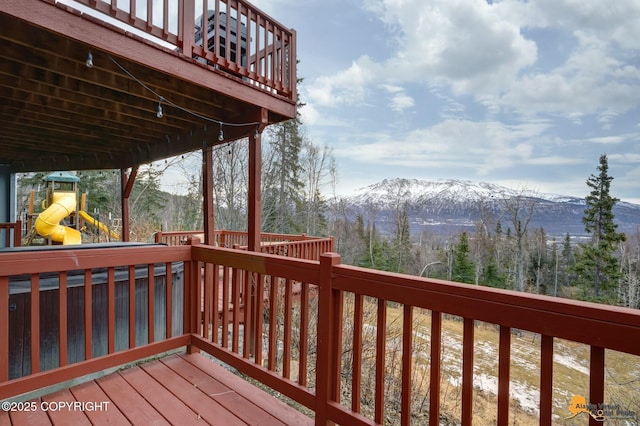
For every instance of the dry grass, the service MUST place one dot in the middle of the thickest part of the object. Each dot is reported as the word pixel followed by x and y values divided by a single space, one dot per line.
pixel 571 361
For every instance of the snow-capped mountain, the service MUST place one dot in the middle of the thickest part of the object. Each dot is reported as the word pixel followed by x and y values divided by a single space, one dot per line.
pixel 451 206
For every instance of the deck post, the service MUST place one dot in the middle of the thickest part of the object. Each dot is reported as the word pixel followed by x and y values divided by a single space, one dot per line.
pixel 207 199
pixel 254 225
pixel 325 363
pixel 17 233
pixel 192 302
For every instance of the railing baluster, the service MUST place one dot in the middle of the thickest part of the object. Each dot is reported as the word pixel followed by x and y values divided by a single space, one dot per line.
pixel 168 300
pixel 235 278
pixel 259 318
pixel 215 302
pixel 467 370
pixel 35 323
pixel 596 379
pixel 249 38
pixel 238 60
pixel 207 315
pixel 88 323
pixel 434 374
pixel 225 306
pixel 132 11
pixel 304 333
pixel 546 379
pixel 381 350
pixel 151 299
pixel 338 315
pixel 288 305
pixel 407 344
pixel 165 18
pixel 149 14
pixel 132 306
pixel 111 311
pixel 4 329
pixel 248 300
pixel 356 374
pixel 273 314
pixel 504 361
pixel 63 358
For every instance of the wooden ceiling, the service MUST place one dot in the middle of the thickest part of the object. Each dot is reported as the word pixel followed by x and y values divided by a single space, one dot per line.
pixel 58 114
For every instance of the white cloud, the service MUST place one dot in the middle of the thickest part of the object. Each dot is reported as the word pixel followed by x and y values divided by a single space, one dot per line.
pixel 309 114
pixel 486 146
pixel 345 88
pixel 464 43
pixel 606 140
pixel 478 49
pixel 400 101
pixel 612 20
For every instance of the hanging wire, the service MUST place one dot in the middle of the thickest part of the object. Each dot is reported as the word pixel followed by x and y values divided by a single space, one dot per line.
pixel 169 102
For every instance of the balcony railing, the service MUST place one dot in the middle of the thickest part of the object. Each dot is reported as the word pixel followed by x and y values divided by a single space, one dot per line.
pixel 297 246
pixel 310 348
pixel 264 54
pixel 10 234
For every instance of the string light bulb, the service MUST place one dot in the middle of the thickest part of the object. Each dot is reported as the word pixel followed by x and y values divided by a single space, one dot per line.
pixel 159 113
pixel 221 134
pixel 89 61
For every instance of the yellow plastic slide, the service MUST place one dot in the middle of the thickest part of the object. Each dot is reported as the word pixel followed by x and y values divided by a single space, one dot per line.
pixel 98 224
pixel 48 222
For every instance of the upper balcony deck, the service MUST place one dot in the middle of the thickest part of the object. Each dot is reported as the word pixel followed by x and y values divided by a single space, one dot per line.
pixel 56 113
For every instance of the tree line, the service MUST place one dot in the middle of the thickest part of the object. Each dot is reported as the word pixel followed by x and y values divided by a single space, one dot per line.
pixel 505 251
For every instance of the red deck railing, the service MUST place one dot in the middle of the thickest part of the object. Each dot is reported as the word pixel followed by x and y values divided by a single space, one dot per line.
pixel 298 246
pixel 310 347
pixel 266 57
pixel 11 233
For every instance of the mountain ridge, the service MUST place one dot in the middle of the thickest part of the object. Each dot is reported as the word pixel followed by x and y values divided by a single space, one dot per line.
pixel 454 205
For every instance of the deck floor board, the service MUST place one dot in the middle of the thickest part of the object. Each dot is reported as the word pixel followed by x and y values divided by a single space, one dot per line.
pixel 135 408
pixel 222 394
pixel 65 416
pixel 31 417
pixel 90 391
pixel 178 389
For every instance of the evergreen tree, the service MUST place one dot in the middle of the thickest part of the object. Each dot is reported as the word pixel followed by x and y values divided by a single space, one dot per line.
pixel 463 270
pixel 597 266
pixel 317 165
pixel 148 202
pixel 492 277
pixel 566 264
pixel 372 257
pixel 281 178
pixel 230 185
pixel 402 249
pixel 99 186
pixel 282 184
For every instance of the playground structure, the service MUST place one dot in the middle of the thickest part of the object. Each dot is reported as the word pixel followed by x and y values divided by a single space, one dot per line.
pixel 61 220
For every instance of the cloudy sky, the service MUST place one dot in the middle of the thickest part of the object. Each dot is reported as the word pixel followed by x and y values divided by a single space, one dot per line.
pixel 527 94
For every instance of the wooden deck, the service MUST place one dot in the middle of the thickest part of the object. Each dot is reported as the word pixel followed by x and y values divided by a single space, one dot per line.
pixel 178 389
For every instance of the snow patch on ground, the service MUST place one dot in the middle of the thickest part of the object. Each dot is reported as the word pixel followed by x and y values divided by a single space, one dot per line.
pixel 571 362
